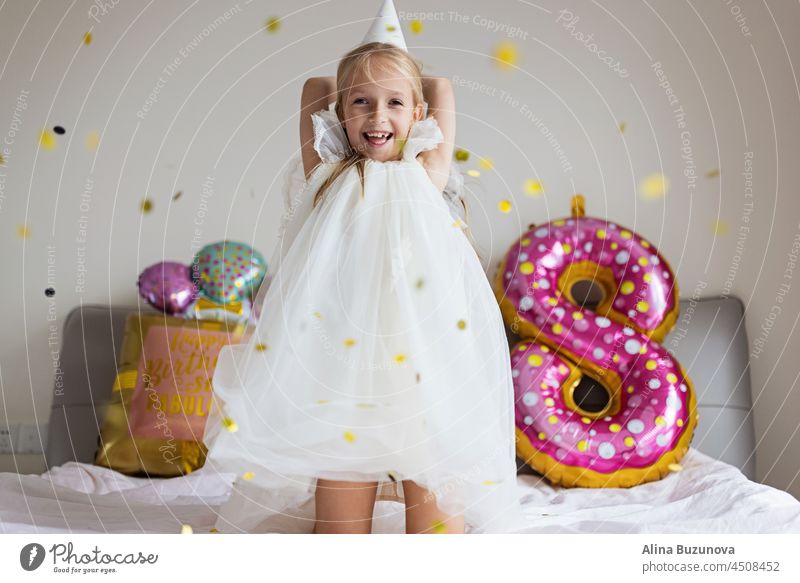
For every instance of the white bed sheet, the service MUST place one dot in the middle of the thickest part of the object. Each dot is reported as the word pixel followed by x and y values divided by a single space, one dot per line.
pixel 708 496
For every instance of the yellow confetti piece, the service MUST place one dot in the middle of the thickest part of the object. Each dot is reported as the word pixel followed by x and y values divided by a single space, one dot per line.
pixel 474 173
pixel 622 126
pixel 87 38
pixel 146 205
pixel 486 163
pixel 348 436
pixel 230 425
pixel 23 231
pixel 420 283
pixel 318 315
pixel 654 187
pixel 506 55
pixel 2 160
pixel 439 527
pixel 92 140
pixel 489 482
pixel 713 173
pixel 273 24
pixel 461 155
pixel 47 140
pixel 533 187
pixel 214 530
pixel 261 347
pixel 348 342
pixel 504 206
pixel 248 475
pixel 719 227
pixel 415 26
pixel 322 401
pixel 399 358
pixel 393 475
pixel 462 324
pixel 390 28
pixel 675 467
pixel 459 223
pixel 186 529
pixel 177 195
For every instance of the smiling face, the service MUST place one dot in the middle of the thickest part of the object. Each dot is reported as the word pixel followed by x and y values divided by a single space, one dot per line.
pixel 379 114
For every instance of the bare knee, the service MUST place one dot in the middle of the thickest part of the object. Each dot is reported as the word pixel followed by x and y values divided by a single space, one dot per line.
pixel 344 507
pixel 423 515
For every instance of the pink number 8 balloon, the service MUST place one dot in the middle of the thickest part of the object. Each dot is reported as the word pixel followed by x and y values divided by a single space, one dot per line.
pixel 647 423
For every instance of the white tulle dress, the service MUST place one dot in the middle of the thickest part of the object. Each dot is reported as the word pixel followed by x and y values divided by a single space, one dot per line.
pixel 379 354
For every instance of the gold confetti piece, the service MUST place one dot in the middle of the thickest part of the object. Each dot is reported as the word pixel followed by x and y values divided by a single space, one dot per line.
pixel 146 205
pixel 439 527
pixel 273 24
pixel 504 206
pixel 92 140
pixel 392 475
pixel 420 283
pixel 654 187
pixel 675 467
pixel 186 529
pixel 622 126
pixel 459 223
pixel 461 155
pixel 415 26
pixel 489 482
pixel 261 347
pixel 474 173
pixel 23 231
pixel 87 38
pixel 461 324
pixel 322 401
pixel 348 342
pixel 230 425
pixel 399 358
pixel 248 475
pixel 533 187
pixel 713 173
pixel 2 160
pixel 506 55
pixel 47 140
pixel 486 163
pixel 318 315
pixel 213 530
pixel 719 227
pixel 390 28
pixel 348 436
pixel 177 195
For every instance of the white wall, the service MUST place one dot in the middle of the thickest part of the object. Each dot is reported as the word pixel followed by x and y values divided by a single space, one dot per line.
pixel 228 111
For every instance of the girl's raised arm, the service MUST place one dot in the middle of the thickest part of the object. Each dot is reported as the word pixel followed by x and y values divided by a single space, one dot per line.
pixel 438 92
pixel 318 92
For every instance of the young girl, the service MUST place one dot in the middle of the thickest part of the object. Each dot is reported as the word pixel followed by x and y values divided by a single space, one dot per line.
pixel 379 368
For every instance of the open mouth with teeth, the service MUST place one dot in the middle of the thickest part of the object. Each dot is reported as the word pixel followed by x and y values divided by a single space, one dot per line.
pixel 377 139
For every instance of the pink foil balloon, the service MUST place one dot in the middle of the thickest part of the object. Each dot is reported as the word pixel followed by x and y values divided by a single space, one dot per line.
pixel 167 286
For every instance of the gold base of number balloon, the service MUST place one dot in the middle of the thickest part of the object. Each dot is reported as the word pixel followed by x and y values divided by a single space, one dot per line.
pixel 592 302
pixel 162 395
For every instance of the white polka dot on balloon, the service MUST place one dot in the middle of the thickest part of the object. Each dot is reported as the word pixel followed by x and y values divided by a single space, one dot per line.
pixel 561 453
pixel 544 284
pixel 526 303
pixel 528 419
pixel 622 257
pixel 523 256
pixel 635 426
pixel 540 232
pixel 606 451
pixel 602 322
pixel 608 338
pixel 673 402
pixel 530 398
pixel 632 346
pixel 631 313
pixel 654 383
pixel 581 325
pixel 588 247
pixel 598 353
pixel 628 331
pixel 662 439
pixel 635 268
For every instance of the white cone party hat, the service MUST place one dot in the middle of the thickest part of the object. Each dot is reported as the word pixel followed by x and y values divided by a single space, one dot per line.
pixel 386 27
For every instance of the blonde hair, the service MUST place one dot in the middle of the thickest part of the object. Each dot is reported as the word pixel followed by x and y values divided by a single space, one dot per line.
pixel 361 59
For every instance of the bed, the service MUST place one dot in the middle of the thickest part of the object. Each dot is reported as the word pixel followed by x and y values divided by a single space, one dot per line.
pixel 714 492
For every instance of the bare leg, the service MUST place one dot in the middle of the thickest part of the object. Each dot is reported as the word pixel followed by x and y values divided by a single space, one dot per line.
pixel 344 507
pixel 423 515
